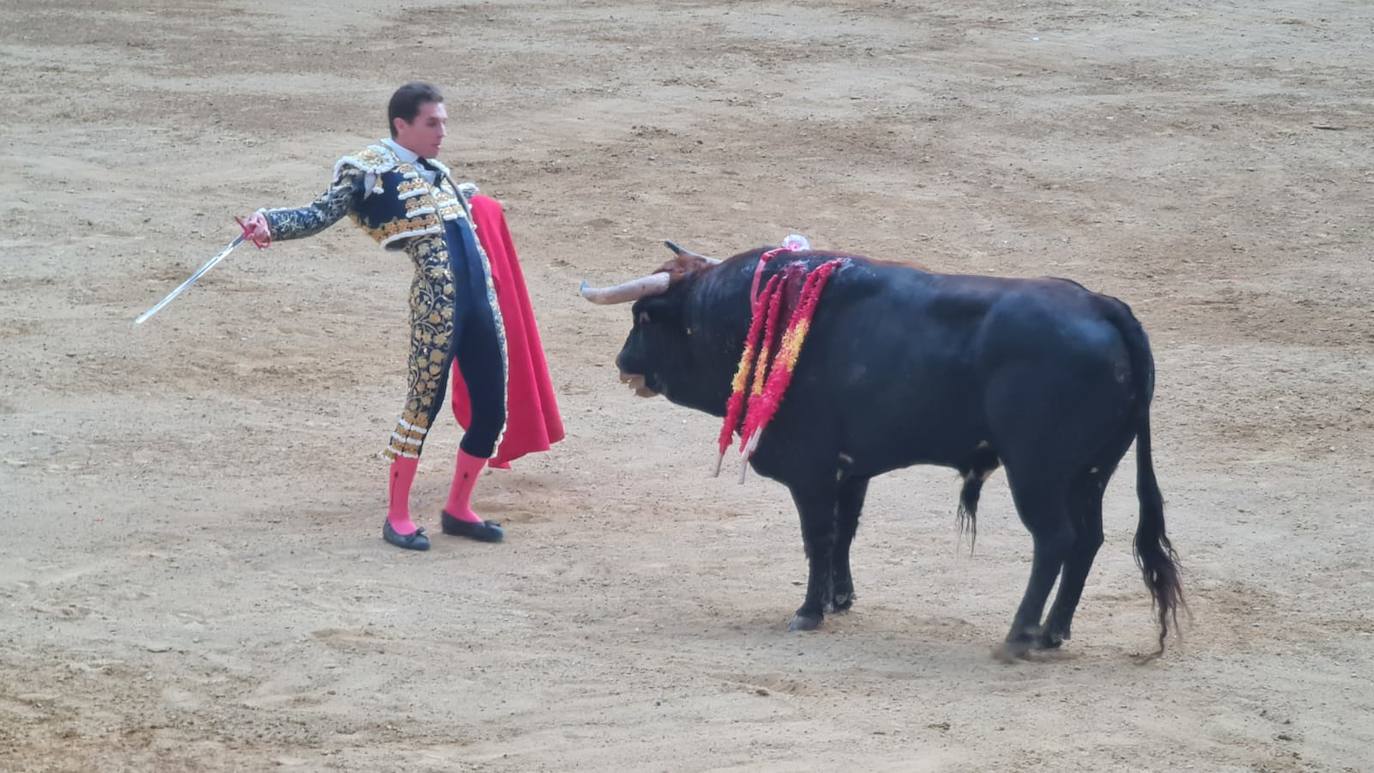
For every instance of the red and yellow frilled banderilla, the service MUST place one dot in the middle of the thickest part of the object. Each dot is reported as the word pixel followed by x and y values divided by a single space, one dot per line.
pixel 766 364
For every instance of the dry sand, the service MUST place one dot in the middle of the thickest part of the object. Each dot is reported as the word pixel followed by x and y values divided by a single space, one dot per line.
pixel 191 574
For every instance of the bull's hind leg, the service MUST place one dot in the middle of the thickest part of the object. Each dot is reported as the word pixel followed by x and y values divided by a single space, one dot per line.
pixel 816 506
pixel 1043 509
pixel 847 510
pixel 1085 510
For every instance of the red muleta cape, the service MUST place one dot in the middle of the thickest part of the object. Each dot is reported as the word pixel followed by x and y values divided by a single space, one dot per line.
pixel 532 419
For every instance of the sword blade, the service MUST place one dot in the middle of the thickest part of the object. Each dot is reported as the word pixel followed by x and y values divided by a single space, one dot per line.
pixel 209 264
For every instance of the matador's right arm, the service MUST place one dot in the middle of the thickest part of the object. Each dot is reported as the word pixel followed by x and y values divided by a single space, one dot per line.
pixel 340 198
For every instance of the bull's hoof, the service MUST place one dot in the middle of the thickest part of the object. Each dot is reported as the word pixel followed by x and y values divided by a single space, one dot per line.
pixel 843 602
pixel 1050 640
pixel 1018 644
pixel 801 622
pixel 1012 651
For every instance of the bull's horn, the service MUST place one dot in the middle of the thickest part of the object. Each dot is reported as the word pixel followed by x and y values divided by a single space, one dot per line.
pixel 685 253
pixel 633 290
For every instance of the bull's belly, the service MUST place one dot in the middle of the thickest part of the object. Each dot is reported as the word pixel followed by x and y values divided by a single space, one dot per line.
pixel 882 432
pixel 945 441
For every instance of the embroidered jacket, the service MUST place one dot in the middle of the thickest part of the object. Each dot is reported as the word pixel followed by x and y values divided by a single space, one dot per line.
pixel 384 195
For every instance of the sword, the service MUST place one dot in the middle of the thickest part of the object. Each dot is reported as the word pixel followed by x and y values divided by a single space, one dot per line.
pixel 209 264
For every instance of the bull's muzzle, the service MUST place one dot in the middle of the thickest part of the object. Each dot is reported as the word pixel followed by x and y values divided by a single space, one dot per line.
pixel 636 383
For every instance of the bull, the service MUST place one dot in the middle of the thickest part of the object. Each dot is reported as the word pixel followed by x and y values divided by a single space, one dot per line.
pixel 904 366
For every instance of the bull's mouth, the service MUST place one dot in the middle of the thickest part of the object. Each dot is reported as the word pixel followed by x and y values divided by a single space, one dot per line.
pixel 637 383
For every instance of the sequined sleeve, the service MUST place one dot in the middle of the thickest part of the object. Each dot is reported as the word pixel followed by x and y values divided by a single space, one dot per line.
pixel 338 200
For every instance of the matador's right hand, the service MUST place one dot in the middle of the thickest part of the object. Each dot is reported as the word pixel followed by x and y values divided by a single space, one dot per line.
pixel 255 230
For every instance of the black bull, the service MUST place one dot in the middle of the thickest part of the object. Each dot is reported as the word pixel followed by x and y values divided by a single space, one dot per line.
pixel 903 367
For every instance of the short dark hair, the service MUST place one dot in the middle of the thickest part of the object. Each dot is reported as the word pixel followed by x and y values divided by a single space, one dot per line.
pixel 405 103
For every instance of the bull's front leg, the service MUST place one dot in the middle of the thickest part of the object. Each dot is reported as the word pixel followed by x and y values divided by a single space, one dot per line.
pixel 816 507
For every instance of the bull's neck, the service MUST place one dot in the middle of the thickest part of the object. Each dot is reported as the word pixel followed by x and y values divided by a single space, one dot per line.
pixel 717 319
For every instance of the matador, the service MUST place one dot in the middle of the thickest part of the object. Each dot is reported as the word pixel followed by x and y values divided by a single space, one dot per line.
pixel 401 195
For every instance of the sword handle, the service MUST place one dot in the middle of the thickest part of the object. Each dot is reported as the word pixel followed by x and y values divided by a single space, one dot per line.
pixel 261 243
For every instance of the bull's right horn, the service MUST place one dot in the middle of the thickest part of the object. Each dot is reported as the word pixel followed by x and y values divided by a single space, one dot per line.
pixel 633 290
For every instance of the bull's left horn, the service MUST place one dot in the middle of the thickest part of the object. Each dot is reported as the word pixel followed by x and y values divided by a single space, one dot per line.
pixel 682 252
pixel 633 290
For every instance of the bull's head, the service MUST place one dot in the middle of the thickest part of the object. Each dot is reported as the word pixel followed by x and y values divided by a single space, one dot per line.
pixel 657 357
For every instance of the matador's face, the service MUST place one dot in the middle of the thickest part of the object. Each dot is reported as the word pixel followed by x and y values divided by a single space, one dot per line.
pixel 425 135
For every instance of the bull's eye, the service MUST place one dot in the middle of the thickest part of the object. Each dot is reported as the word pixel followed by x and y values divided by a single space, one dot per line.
pixel 643 317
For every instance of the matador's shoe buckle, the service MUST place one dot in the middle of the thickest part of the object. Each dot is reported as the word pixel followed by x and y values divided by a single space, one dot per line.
pixel 413 541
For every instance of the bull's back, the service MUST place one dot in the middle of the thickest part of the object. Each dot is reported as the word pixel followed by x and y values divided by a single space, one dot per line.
pixel 915 367
pixel 891 360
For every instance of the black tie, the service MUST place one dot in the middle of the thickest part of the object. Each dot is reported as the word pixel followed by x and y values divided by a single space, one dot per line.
pixel 439 178
pixel 438 175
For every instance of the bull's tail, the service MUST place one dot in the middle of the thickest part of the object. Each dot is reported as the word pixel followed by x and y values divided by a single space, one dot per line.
pixel 1154 553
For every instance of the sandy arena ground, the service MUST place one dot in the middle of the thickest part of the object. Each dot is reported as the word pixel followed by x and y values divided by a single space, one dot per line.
pixel 191 574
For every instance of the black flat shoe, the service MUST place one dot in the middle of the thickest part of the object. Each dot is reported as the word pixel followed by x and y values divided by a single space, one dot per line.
pixel 486 531
pixel 414 541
